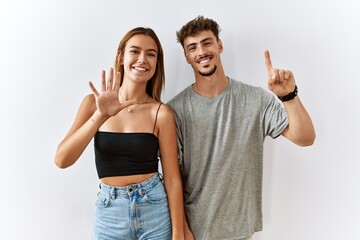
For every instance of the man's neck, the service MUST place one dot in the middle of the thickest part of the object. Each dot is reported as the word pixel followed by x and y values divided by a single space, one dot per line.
pixel 210 86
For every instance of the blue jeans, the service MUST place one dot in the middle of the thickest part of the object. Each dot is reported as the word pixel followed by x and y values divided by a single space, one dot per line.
pixel 138 211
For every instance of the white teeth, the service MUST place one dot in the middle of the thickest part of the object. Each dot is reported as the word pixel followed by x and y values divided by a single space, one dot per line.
pixel 140 69
pixel 204 61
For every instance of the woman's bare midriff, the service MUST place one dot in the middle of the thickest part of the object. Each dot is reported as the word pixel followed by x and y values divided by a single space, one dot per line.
pixel 122 181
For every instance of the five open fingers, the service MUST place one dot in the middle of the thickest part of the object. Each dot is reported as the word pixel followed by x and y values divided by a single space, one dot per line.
pixel 107 85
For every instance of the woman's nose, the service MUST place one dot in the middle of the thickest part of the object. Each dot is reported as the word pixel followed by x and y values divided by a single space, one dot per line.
pixel 142 58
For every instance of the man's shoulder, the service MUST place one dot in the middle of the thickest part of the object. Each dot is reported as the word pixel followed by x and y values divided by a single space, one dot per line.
pixel 178 98
pixel 240 84
pixel 246 87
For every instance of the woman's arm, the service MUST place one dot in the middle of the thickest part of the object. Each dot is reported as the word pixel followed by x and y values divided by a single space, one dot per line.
pixel 94 110
pixel 86 124
pixel 171 172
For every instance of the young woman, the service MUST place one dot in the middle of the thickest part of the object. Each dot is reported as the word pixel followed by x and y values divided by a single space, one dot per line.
pixel 131 127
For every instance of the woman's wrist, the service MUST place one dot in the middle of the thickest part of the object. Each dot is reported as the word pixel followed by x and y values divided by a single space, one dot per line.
pixel 98 117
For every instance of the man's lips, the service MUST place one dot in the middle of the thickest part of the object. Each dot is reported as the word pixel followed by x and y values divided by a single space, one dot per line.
pixel 204 60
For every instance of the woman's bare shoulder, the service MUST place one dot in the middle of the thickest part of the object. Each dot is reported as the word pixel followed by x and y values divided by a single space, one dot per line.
pixel 165 112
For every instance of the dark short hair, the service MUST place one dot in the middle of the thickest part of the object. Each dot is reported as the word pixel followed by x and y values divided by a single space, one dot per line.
pixel 196 26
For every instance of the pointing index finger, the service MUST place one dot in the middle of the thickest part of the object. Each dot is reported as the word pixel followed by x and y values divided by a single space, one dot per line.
pixel 268 62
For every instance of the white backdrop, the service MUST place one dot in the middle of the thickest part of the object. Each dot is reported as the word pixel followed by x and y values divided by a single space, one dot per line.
pixel 49 50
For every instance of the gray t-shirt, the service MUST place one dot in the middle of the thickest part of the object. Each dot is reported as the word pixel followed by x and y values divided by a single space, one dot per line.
pixel 221 142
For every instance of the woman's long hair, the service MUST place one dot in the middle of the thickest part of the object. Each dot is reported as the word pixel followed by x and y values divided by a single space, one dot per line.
pixel 156 84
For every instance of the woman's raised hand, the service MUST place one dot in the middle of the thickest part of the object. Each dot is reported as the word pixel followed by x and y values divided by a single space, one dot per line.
pixel 107 102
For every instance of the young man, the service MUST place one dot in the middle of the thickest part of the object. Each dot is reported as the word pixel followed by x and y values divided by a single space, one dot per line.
pixel 221 126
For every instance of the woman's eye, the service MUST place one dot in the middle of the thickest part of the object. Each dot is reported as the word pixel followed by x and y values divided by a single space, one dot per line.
pixel 134 51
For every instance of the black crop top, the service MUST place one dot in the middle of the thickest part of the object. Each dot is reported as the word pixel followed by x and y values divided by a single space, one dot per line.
pixel 124 154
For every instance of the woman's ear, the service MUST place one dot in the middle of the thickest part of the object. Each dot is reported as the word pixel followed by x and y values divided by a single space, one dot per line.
pixel 119 58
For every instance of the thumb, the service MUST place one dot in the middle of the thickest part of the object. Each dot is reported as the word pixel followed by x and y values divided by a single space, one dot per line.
pixel 128 103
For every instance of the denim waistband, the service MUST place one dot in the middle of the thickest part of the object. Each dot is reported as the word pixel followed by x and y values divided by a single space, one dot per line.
pixel 132 188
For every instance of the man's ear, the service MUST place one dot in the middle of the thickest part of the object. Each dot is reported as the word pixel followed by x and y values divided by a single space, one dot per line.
pixel 187 60
pixel 221 48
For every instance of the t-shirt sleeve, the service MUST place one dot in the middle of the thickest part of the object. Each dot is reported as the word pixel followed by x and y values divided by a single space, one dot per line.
pixel 179 133
pixel 275 116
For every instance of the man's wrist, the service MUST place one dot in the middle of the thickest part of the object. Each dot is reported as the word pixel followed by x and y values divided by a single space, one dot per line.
pixel 289 96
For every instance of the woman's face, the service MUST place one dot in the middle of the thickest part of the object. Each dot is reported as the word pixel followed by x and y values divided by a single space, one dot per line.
pixel 140 58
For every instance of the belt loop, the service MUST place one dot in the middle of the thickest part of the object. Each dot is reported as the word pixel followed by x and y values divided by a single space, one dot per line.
pixel 112 193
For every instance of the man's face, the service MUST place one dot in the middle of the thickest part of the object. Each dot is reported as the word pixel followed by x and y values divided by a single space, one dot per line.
pixel 202 51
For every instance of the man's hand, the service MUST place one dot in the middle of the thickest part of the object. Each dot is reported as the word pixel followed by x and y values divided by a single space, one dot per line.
pixel 281 82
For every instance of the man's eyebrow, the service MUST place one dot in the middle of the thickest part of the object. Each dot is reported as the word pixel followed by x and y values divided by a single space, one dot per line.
pixel 202 41
pixel 206 39
pixel 190 44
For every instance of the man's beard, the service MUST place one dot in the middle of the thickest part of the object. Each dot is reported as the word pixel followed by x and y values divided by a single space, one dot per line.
pixel 208 73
